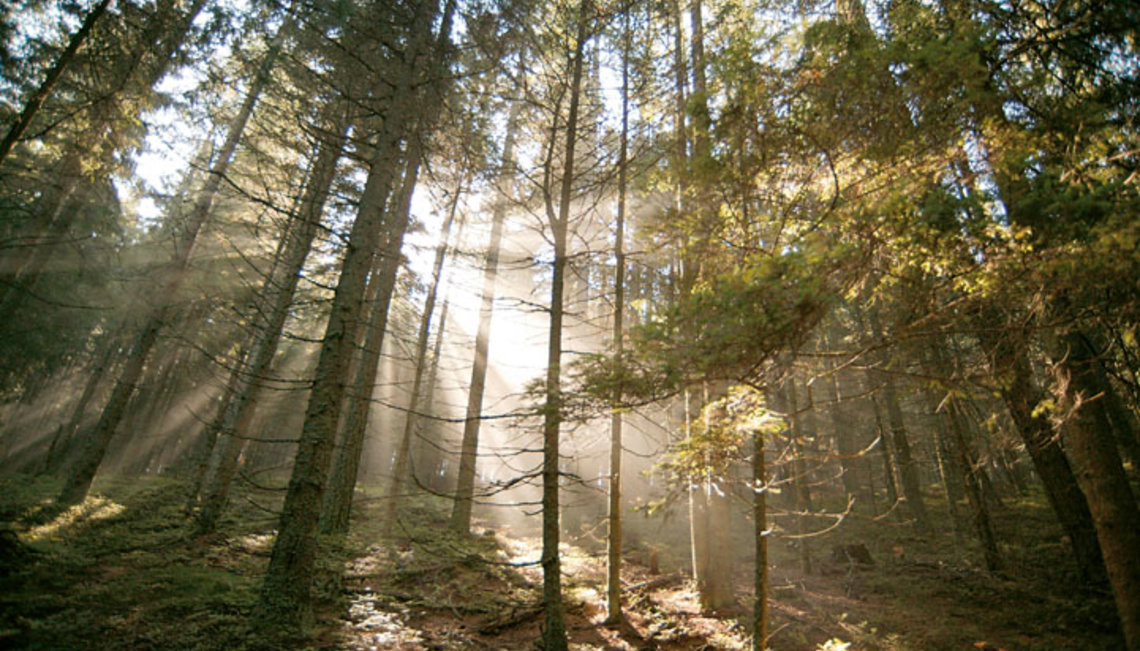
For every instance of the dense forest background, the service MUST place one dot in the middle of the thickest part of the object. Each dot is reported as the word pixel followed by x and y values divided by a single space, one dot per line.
pixel 733 314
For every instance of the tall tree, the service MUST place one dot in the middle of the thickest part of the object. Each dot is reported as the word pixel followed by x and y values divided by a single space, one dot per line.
pixel 95 447
pixel 614 537
pixel 286 594
pixel 469 446
pixel 554 630
pixel 233 428
pixel 33 104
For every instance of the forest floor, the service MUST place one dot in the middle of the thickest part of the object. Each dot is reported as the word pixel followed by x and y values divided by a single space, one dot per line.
pixel 122 572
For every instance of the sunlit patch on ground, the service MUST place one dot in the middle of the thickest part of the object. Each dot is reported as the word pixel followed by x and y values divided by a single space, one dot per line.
pixel 92 509
pixel 254 542
pixel 373 629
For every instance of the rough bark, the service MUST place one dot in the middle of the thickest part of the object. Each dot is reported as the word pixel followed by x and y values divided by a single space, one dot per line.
pixel 1101 476
pixel 286 592
pixel 355 410
pixel 357 402
pixel 760 539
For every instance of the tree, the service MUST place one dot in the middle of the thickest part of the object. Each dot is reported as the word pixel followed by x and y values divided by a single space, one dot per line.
pixel 469 446
pixel 554 630
pixel 33 104
pixel 95 447
pixel 614 535
pixel 286 596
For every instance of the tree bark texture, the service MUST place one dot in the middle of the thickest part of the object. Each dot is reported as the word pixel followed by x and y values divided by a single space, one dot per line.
pixel 1102 478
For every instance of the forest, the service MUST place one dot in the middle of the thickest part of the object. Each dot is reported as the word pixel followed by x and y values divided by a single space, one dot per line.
pixel 570 324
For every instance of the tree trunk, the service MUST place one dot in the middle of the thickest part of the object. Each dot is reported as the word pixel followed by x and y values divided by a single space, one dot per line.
pixel 32 106
pixel 235 424
pixel 760 539
pixel 614 532
pixel 83 473
pixel 61 442
pixel 1102 478
pixel 1007 354
pixel 465 482
pixel 975 493
pixel 285 595
pixel 888 462
pixel 900 444
pixel 554 629
pixel 337 508
pixel 431 446
pixel 403 451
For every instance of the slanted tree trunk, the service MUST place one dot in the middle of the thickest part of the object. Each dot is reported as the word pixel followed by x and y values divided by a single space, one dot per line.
pixel 61 442
pixel 404 445
pixel 232 429
pixel 948 466
pixel 32 106
pixel 1006 351
pixel 900 444
pixel 431 447
pixel 285 595
pixel 95 448
pixel 357 405
pixel 1101 476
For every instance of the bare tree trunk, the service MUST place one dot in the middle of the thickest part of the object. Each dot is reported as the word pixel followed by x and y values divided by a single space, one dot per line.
pixel 885 451
pixel 357 405
pixel 760 539
pixel 431 448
